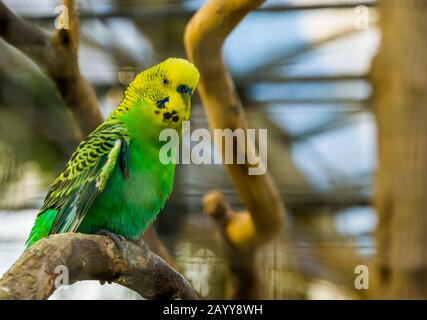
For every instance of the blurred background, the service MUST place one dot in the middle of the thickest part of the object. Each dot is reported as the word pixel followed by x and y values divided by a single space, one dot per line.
pixel 301 69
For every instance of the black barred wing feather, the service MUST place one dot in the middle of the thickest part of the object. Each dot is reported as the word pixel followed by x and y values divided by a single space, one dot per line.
pixel 86 175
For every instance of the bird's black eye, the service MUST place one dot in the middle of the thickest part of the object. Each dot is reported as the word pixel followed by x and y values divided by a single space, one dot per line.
pixel 164 82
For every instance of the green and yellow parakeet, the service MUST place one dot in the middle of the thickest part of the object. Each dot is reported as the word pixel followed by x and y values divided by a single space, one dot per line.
pixel 115 180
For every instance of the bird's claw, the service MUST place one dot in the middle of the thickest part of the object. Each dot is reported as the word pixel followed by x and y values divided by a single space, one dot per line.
pixel 118 239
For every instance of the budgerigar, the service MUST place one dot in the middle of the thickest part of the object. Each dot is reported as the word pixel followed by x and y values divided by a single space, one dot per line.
pixel 115 180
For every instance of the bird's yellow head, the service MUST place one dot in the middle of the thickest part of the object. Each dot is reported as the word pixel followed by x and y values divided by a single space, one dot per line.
pixel 165 90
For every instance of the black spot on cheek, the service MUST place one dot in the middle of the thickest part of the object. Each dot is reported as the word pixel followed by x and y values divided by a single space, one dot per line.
pixel 167 115
pixel 157 112
pixel 174 112
pixel 175 118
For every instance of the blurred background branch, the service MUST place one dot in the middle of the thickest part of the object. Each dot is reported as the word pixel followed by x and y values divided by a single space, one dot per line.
pixel 204 38
pixel 400 82
pixel 57 56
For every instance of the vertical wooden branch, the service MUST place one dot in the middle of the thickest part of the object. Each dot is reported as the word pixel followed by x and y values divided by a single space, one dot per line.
pixel 400 82
pixel 204 37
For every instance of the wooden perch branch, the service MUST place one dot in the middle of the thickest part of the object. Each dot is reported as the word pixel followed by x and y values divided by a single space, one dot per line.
pixel 92 257
pixel 204 37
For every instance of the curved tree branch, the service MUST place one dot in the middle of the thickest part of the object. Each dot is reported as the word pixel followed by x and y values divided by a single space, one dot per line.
pixel 204 36
pixel 92 257
pixel 243 232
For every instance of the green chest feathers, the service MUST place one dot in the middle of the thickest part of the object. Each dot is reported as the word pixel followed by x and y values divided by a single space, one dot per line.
pixel 128 206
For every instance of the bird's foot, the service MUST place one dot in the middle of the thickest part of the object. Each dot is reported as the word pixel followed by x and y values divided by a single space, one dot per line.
pixel 118 239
